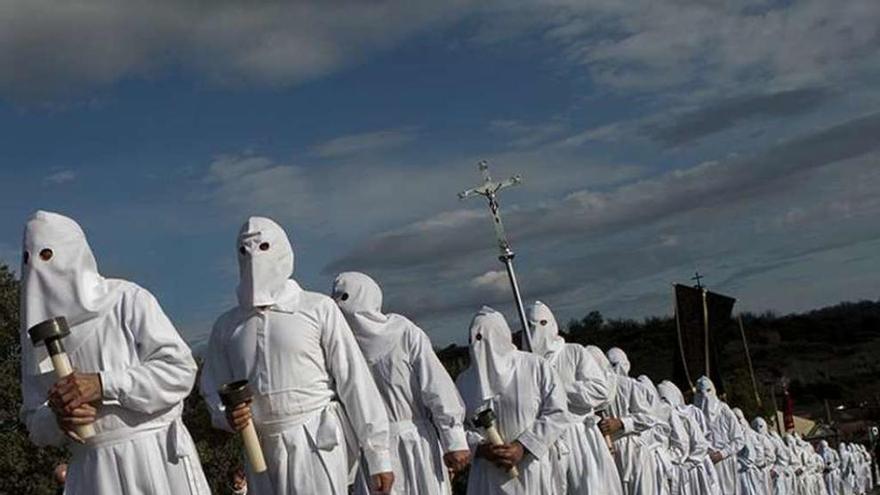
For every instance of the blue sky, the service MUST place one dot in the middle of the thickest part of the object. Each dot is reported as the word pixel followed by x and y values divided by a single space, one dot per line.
pixel 655 138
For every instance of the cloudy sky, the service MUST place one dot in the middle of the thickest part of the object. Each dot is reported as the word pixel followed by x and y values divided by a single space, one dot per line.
pixel 655 137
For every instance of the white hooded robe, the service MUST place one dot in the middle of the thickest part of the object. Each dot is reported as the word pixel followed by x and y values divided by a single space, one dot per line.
pixel 590 467
pixel 314 404
pixel 725 434
pixel 529 402
pixel 425 411
pixel 117 330
pixel 750 459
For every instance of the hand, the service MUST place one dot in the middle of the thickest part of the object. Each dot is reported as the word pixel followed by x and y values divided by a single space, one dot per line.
pixel 382 482
pixel 508 455
pixel 610 426
pixel 457 460
pixel 716 456
pixel 83 415
pixel 799 471
pixel 74 390
pixel 239 416
pixel 774 474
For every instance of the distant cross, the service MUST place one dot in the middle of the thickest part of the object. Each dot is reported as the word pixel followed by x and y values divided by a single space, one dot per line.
pixel 489 189
pixel 698 278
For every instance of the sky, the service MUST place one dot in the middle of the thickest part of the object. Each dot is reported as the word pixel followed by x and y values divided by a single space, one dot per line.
pixel 655 138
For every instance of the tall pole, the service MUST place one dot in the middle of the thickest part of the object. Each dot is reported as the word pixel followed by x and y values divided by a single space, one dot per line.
pixel 742 331
pixel 489 189
pixel 775 408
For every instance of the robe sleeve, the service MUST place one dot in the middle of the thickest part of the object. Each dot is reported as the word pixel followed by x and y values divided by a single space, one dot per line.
pixel 35 413
pixel 736 439
pixel 552 417
pixel 699 446
pixel 215 372
pixel 356 389
pixel 439 394
pixel 589 390
pixel 640 416
pixel 166 370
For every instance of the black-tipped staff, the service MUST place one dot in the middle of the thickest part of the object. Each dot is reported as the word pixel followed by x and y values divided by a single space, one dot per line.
pixel 49 333
pixel 231 395
pixel 489 189
pixel 485 419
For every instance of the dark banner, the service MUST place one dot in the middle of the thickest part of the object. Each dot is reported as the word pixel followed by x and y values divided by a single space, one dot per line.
pixel 700 320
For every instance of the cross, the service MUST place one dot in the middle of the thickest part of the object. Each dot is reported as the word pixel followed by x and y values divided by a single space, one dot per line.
pixel 489 189
pixel 698 278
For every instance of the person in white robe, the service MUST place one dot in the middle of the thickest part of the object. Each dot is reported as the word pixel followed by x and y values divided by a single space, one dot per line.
pixel 847 472
pixel 696 472
pixel 749 458
pixel 797 464
pixel 132 372
pixel 634 427
pixel 768 449
pixel 725 435
pixel 831 468
pixel 670 448
pixel 591 469
pixel 425 411
pixel 529 401
pixel 315 401
pixel 784 461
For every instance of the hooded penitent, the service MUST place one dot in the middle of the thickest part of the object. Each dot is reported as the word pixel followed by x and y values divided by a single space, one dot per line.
pixel 619 361
pixel 265 261
pixel 492 353
pixel 545 331
pixel 360 299
pixel 59 275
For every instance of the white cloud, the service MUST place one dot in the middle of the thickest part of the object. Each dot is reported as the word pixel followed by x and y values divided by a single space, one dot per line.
pixel 366 142
pixel 60 177
pixel 493 281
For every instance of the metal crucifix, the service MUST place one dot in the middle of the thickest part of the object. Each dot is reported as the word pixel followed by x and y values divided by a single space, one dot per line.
pixel 489 190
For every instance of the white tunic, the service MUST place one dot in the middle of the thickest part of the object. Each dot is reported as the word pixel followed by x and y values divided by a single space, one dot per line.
pixel 531 409
pixel 783 482
pixel 635 446
pixel 311 387
pixel 750 458
pixel 141 444
pixel 725 436
pixel 697 475
pixel 425 412
pixel 591 468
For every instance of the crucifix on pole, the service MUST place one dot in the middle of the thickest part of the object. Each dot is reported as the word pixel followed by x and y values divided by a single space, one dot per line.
pixel 489 189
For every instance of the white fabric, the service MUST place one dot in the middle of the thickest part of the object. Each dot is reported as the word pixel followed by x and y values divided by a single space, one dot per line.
pixel 831 472
pixel 67 284
pixel 529 404
pixel 424 408
pixel 669 449
pixel 300 358
pixel 590 467
pixel 696 475
pixel 634 446
pixel 725 434
pixel 784 483
pixel 360 299
pixel 750 458
pixel 146 369
pixel 265 262
pixel 545 331
pixel 770 467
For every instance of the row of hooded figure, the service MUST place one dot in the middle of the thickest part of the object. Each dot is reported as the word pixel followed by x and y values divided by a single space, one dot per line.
pixel 349 398
pixel 847 470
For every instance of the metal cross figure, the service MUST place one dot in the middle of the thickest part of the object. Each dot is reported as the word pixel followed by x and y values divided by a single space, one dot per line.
pixel 489 190
pixel 698 278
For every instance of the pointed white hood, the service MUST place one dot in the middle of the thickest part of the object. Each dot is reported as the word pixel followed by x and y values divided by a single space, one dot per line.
pixel 265 262
pixel 619 361
pixel 492 356
pixel 545 331
pixel 759 424
pixel 360 299
pixel 706 398
pixel 59 277
pixel 670 393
